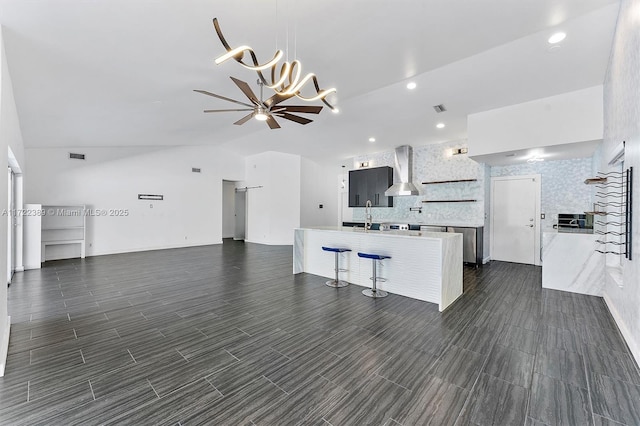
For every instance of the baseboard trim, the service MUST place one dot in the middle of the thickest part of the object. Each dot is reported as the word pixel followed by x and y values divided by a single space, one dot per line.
pixel 634 347
pixel 4 347
pixel 38 266
pixel 19 269
pixel 153 248
pixel 271 243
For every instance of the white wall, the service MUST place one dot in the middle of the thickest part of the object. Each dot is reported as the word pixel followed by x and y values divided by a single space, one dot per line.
pixel 567 118
pixel 228 209
pixel 273 211
pixel 622 123
pixel 111 179
pixel 10 136
pixel 317 186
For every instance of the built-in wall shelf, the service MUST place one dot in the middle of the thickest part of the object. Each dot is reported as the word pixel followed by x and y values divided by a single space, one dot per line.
pixel 63 228
pixel 449 181
pixel 449 201
pixel 63 232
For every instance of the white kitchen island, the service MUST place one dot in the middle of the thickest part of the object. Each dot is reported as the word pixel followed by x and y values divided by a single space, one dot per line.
pixel 570 263
pixel 424 265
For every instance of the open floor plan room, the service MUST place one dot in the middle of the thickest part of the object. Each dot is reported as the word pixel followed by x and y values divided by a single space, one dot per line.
pixel 226 335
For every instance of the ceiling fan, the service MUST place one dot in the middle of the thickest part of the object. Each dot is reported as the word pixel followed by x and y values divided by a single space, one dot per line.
pixel 265 110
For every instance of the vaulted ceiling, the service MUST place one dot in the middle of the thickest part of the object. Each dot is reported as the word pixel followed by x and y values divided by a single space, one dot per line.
pixel 122 72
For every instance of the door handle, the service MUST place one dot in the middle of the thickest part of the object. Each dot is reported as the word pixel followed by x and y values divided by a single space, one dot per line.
pixel 530 226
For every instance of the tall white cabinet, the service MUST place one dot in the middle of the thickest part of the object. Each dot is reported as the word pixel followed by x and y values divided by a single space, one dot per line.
pixel 53 232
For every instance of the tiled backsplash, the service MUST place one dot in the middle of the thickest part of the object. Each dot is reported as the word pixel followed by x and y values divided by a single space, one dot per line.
pixel 434 162
pixel 563 188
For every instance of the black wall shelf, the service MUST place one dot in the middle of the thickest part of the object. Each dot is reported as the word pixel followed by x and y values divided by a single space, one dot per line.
pixel 449 201
pixel 449 181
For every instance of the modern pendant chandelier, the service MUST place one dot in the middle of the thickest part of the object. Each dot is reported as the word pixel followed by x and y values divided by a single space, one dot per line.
pixel 287 84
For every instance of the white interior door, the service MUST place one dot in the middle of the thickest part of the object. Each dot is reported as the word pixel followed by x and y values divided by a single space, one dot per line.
pixel 515 206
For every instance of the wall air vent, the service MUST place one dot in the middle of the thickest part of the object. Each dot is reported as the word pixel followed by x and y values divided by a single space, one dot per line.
pixel 75 156
pixel 196 169
pixel 439 108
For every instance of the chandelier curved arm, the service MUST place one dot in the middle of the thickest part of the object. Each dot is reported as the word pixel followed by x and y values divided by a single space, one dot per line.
pixel 286 72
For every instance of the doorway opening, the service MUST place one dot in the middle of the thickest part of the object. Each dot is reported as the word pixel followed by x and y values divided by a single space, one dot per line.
pixel 14 217
pixel 234 212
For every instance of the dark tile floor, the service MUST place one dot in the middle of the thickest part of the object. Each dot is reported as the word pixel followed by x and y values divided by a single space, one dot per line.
pixel 226 335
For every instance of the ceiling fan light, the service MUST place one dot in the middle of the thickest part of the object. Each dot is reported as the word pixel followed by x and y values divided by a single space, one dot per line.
pixel 557 38
pixel 261 116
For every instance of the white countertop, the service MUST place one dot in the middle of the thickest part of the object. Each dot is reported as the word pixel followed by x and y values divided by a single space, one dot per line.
pixel 391 233
pixel 555 232
pixel 413 222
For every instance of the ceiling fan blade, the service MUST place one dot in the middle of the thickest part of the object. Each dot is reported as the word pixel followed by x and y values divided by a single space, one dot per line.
pixel 225 110
pixel 276 99
pixel 273 124
pixel 308 109
pixel 246 90
pixel 297 119
pixel 244 119
pixel 204 92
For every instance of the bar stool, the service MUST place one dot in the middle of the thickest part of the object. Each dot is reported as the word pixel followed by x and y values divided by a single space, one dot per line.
pixel 374 292
pixel 337 282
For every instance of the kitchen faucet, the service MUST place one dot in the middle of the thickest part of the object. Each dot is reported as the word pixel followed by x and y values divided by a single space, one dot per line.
pixel 368 219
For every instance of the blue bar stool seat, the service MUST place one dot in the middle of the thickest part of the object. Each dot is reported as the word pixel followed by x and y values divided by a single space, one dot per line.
pixel 337 282
pixel 373 291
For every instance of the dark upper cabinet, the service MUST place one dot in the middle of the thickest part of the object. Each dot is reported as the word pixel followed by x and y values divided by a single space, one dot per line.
pixel 370 184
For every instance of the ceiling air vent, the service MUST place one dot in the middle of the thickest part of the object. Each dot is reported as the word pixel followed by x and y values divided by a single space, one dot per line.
pixel 195 169
pixel 439 108
pixel 75 156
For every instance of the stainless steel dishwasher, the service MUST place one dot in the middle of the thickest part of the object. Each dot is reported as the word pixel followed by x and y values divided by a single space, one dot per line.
pixel 472 239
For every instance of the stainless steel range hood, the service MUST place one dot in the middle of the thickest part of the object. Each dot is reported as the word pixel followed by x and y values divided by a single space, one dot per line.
pixel 403 174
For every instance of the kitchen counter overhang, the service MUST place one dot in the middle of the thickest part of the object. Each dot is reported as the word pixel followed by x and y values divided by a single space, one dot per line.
pixel 424 265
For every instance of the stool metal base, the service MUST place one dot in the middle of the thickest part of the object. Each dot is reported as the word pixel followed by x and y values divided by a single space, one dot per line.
pixel 337 284
pixel 376 294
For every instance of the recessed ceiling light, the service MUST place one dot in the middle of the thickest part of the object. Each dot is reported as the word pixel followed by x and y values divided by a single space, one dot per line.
pixel 411 85
pixel 372 139
pixel 557 38
pixel 440 125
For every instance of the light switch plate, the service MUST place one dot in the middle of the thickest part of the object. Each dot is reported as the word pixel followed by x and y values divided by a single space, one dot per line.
pixel 541 215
